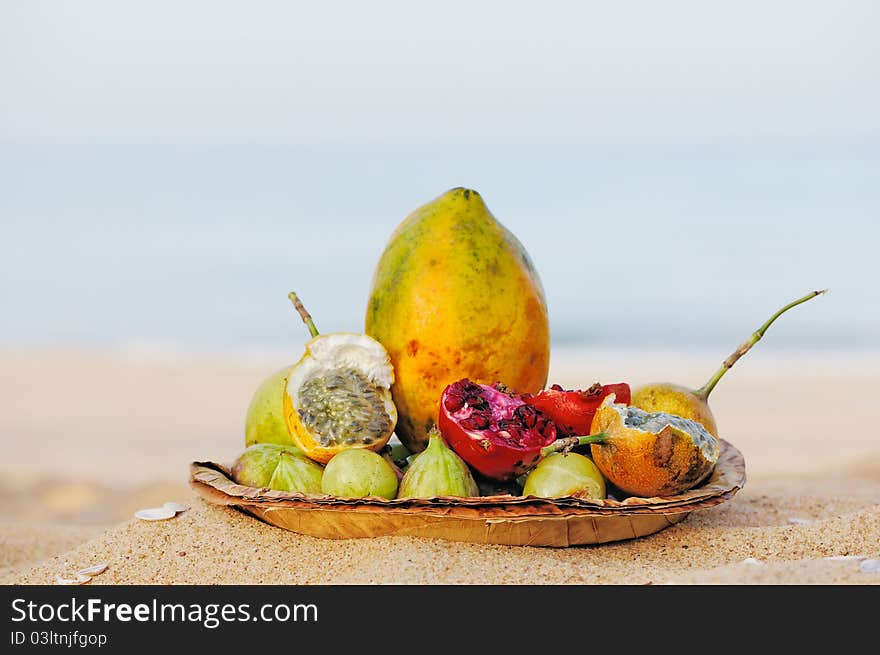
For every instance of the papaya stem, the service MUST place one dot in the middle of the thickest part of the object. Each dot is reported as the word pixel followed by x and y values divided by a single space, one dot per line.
pixel 704 391
pixel 567 443
pixel 306 317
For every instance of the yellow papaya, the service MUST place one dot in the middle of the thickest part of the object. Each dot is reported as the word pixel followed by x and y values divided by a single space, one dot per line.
pixel 455 295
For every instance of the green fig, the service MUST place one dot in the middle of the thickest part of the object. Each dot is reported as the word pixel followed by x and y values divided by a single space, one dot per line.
pixel 437 471
pixel 254 467
pixel 296 473
pixel 565 474
pixel 693 404
pixel 283 468
pixel 265 420
pixel 357 473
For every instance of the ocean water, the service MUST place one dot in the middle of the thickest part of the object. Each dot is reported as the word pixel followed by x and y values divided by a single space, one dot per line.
pixel 197 246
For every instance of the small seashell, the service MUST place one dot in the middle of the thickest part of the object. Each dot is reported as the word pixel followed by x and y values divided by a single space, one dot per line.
pixel 870 566
pixel 799 521
pixel 79 579
pixel 91 571
pixel 155 514
pixel 176 507
pixel 751 560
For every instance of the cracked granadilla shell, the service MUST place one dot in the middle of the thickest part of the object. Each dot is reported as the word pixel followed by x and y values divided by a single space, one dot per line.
pixel 651 454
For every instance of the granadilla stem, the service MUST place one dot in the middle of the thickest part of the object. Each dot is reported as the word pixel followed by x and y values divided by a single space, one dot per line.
pixel 704 391
pixel 567 443
pixel 306 317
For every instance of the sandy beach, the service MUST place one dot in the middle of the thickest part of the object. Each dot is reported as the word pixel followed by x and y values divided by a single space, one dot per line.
pixel 90 437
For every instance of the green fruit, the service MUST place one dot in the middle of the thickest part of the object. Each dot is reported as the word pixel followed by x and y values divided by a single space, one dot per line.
pixel 357 473
pixel 297 473
pixel 265 421
pixel 283 468
pixel 255 466
pixel 560 475
pixel 399 454
pixel 437 471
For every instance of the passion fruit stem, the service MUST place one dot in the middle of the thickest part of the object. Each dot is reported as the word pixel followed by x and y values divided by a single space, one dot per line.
pixel 306 317
pixel 567 443
pixel 704 391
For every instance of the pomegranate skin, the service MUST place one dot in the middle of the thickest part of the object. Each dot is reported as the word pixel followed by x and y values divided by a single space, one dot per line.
pixel 572 410
pixel 491 453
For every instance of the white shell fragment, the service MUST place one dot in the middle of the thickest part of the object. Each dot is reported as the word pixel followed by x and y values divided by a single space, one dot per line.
pixel 176 507
pixel 843 558
pixel 751 560
pixel 92 571
pixel 79 579
pixel 870 566
pixel 796 520
pixel 155 514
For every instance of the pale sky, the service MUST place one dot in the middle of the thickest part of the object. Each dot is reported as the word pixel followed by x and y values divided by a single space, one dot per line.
pixel 677 170
pixel 468 71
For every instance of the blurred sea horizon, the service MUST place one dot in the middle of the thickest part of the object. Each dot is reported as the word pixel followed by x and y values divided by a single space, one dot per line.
pixel 676 171
pixel 197 246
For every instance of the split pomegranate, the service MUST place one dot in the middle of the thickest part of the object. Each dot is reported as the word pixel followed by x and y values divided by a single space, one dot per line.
pixel 493 429
pixel 572 411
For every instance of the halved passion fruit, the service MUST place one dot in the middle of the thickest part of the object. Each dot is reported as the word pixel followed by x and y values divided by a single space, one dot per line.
pixel 338 395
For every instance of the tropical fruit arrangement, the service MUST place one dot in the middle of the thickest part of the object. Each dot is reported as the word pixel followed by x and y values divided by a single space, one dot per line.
pixel 445 392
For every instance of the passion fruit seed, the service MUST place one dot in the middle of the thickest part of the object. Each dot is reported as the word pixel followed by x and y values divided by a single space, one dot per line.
pixel 344 407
